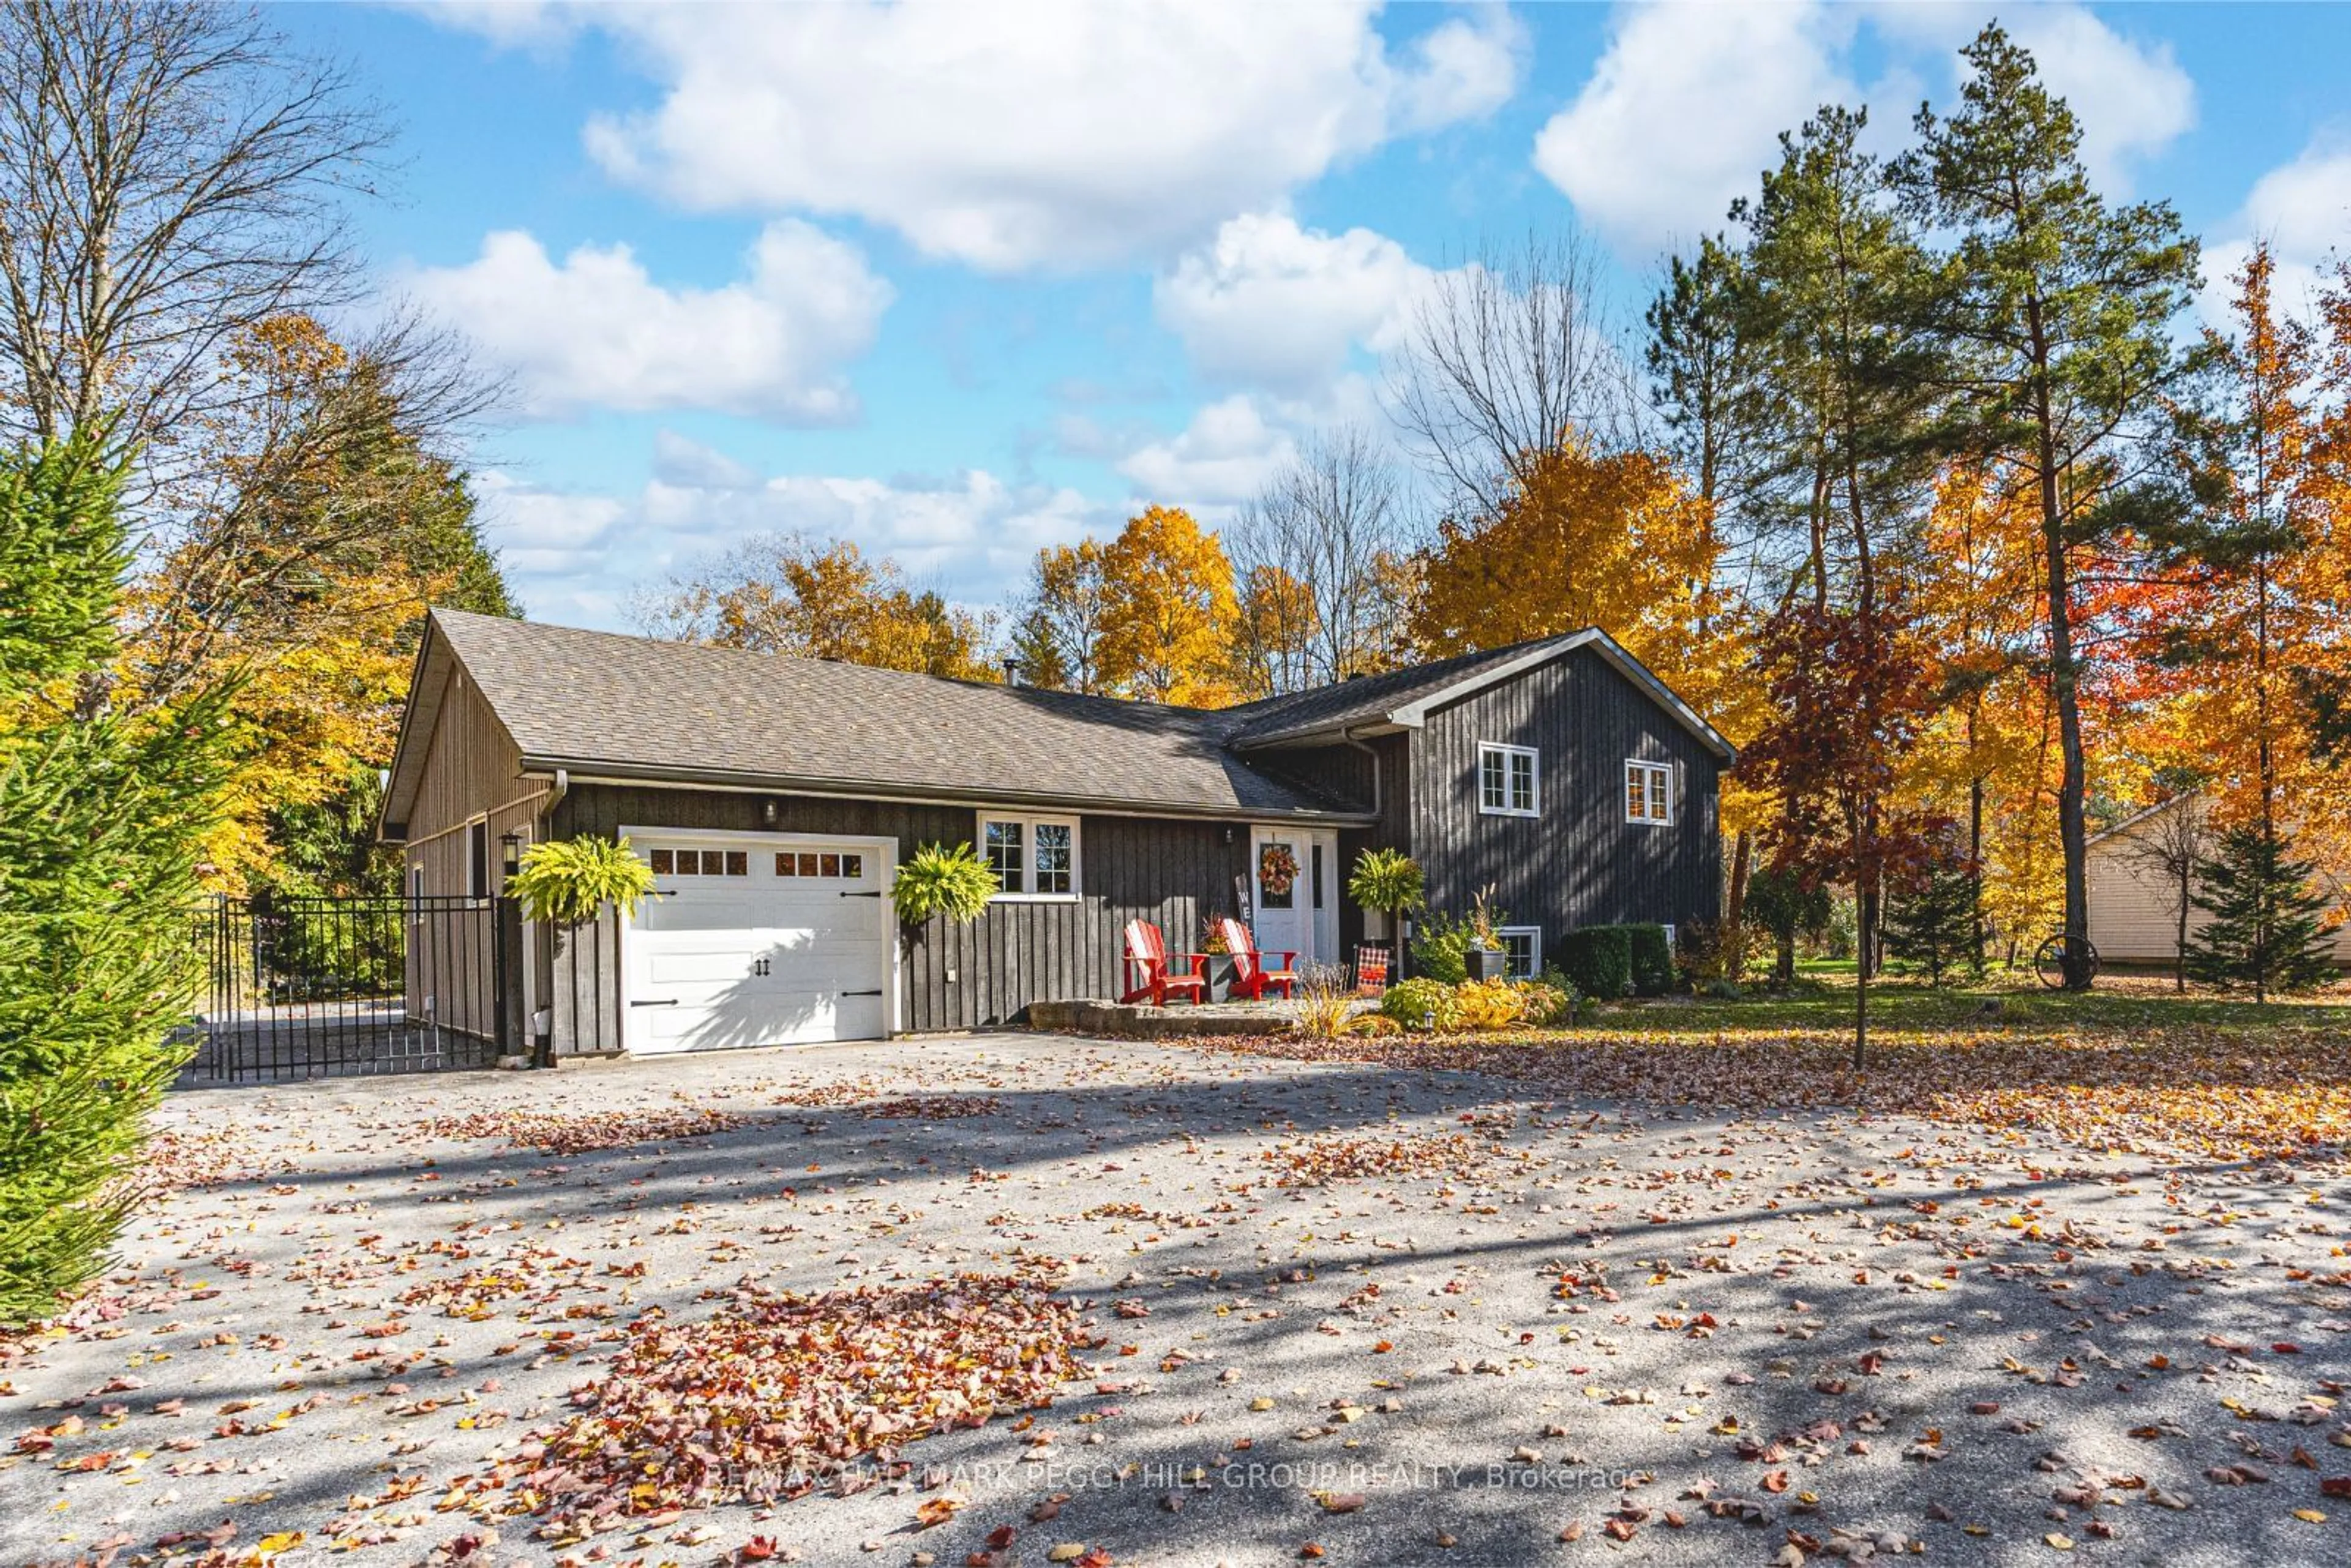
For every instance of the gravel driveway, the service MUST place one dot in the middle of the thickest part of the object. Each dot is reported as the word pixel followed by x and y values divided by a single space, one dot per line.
pixel 1334 1310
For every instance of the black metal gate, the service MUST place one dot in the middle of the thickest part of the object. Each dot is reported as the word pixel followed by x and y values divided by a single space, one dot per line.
pixel 302 987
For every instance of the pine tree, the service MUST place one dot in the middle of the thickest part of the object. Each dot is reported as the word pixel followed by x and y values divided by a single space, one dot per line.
pixel 2060 311
pixel 2264 930
pixel 1934 922
pixel 101 817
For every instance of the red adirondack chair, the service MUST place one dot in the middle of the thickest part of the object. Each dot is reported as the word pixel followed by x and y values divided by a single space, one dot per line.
pixel 1146 956
pixel 1251 978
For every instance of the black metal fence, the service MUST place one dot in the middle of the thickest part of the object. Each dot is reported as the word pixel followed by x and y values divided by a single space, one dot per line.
pixel 301 988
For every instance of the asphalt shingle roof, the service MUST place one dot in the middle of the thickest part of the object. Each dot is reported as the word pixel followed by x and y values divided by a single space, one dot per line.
pixel 1367 699
pixel 636 707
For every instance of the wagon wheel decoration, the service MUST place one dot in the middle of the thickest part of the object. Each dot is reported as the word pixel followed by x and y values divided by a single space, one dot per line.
pixel 1277 870
pixel 2049 961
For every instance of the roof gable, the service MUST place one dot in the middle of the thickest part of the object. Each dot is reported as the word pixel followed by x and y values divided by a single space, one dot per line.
pixel 1402 699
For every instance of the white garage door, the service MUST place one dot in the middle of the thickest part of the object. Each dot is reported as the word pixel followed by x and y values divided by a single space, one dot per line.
pixel 760 940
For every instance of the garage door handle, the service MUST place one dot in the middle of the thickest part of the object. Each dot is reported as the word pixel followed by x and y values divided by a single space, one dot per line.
pixel 875 992
pixel 664 1002
pixel 873 894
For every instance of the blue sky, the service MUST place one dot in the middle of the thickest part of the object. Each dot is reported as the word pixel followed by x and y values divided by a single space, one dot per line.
pixel 959 280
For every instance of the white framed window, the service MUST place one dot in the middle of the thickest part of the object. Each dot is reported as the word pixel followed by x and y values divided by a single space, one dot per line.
pixel 1032 857
pixel 1648 792
pixel 1510 781
pixel 1673 936
pixel 416 895
pixel 1522 950
pixel 477 858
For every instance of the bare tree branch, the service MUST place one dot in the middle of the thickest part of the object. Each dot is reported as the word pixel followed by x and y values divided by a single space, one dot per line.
pixel 1503 357
pixel 2172 845
pixel 172 173
pixel 1327 523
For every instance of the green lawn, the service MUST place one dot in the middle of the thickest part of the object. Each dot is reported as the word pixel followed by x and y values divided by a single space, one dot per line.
pixel 1823 999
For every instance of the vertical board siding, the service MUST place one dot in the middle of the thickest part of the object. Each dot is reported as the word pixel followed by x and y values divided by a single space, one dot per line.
pixel 1173 873
pixel 1347 774
pixel 1580 863
pixel 471 769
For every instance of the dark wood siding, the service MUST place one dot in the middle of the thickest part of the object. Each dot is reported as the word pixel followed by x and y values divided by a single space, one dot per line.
pixel 1580 863
pixel 1173 872
pixel 1346 773
pixel 471 771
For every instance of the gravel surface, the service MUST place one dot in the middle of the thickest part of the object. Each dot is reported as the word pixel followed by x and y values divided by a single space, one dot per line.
pixel 1335 1308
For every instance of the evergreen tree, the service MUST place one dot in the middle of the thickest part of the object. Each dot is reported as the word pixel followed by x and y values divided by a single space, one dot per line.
pixel 2263 931
pixel 1834 268
pixel 1934 922
pixel 100 816
pixel 2060 310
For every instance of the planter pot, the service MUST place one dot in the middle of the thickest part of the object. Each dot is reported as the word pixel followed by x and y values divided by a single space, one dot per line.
pixel 1220 968
pixel 1488 963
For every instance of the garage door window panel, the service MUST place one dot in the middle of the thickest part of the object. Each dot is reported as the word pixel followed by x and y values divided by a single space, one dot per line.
pixel 701 862
pixel 836 867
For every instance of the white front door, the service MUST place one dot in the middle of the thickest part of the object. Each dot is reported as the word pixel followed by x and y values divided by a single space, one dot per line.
pixel 1295 910
pixel 760 939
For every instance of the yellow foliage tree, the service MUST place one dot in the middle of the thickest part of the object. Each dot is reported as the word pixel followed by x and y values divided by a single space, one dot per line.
pixel 2322 575
pixel 785 593
pixel 1058 634
pixel 2260 643
pixel 1580 538
pixel 1616 541
pixel 1167 627
pixel 1980 761
pixel 1273 634
pixel 311 528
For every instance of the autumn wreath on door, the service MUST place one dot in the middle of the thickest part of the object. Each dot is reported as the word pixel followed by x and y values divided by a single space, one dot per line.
pixel 1277 871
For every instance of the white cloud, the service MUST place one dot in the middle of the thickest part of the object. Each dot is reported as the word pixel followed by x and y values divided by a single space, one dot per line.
pixel 1685 108
pixel 535 24
pixel 682 460
pixel 1461 69
pixel 2303 210
pixel 596 331
pixel 1059 133
pixel 1223 456
pixel 572 555
pixel 2133 100
pixel 539 532
pixel 1284 308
